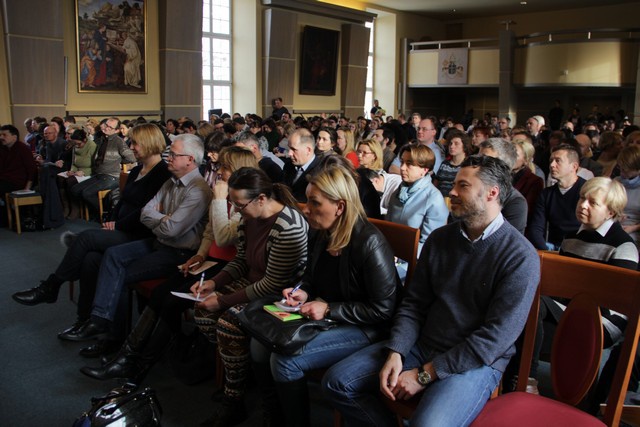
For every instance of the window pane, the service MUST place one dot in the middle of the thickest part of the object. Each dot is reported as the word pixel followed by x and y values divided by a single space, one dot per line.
pixel 370 71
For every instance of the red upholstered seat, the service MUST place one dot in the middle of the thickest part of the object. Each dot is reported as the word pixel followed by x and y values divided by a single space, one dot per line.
pixel 523 410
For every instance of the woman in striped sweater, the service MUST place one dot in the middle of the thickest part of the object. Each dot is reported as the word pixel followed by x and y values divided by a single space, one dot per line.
pixel 272 254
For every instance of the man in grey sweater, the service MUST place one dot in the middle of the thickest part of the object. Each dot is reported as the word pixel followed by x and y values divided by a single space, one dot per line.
pixel 455 329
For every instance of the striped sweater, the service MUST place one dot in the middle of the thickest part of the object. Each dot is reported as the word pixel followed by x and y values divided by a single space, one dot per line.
pixel 609 244
pixel 286 256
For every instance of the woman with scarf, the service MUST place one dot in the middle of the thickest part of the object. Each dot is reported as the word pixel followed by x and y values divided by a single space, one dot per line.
pixel 417 202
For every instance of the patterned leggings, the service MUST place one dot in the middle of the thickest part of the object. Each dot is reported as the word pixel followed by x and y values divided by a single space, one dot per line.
pixel 223 328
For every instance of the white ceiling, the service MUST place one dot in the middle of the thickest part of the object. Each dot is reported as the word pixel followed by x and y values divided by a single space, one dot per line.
pixel 443 9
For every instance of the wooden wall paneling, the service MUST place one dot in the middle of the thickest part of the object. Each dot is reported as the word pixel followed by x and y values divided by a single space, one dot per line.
pixel 280 33
pixel 355 51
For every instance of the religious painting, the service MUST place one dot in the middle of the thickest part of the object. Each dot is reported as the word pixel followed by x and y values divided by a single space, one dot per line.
pixel 319 64
pixel 453 66
pixel 111 46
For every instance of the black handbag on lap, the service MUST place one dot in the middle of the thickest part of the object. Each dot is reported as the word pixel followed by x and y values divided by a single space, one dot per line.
pixel 286 338
pixel 123 406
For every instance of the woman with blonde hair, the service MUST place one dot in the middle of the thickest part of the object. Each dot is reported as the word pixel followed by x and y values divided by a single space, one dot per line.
pixel 350 279
pixel 85 250
pixel 370 154
pixel 345 145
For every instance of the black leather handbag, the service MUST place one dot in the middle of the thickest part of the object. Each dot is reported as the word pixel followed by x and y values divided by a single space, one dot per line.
pixel 123 406
pixel 286 338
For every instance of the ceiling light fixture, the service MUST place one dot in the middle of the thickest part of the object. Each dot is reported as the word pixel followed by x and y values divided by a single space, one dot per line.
pixel 523 3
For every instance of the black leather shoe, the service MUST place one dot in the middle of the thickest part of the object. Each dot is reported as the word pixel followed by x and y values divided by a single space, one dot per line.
pixel 102 347
pixel 88 331
pixel 73 329
pixel 45 292
pixel 124 367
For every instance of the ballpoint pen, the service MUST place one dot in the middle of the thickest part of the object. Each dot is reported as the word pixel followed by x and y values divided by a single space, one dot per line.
pixel 194 264
pixel 200 285
pixel 295 289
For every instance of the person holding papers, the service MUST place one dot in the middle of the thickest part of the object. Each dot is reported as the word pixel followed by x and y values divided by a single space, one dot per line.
pixel 161 318
pixel 350 279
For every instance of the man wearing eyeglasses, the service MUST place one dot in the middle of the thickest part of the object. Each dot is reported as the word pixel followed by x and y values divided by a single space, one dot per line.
pixel 111 153
pixel 426 134
pixel 176 215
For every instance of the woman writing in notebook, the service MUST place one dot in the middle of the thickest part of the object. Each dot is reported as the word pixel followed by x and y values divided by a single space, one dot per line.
pixel 350 279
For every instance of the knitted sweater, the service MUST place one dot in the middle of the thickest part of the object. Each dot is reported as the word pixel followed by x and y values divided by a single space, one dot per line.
pixel 615 248
pixel 82 157
pixel 286 257
pixel 558 211
pixel 468 302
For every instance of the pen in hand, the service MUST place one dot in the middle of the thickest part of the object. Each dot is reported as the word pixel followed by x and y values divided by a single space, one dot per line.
pixel 292 291
pixel 200 285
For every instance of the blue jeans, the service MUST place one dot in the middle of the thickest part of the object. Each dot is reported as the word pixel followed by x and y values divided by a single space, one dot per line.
pixel 129 263
pixel 324 350
pixel 88 190
pixel 352 386
pixel 82 261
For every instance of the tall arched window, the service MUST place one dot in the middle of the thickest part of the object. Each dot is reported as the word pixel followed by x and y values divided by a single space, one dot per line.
pixel 216 56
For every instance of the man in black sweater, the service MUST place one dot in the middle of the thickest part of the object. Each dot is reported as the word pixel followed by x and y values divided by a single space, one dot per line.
pixel 556 205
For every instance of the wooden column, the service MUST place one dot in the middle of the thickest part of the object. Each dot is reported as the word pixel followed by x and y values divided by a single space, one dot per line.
pixel 507 100
pixel 279 60
pixel 35 58
pixel 353 71
pixel 180 27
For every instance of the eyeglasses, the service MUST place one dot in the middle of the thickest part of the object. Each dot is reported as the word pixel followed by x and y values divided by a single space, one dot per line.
pixel 363 153
pixel 173 155
pixel 241 207
pixel 425 129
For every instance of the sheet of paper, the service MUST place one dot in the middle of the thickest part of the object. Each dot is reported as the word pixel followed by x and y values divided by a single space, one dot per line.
pixel 187 296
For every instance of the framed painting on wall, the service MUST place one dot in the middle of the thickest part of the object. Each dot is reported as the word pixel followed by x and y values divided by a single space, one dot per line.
pixel 111 46
pixel 319 64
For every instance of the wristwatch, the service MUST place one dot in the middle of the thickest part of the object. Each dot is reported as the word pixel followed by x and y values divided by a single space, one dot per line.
pixel 424 377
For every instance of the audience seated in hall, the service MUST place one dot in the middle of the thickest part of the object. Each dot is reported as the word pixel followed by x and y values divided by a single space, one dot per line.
pixel 17 166
pixel 447 343
pixel 105 175
pixel 160 321
pixel 586 155
pixel 85 250
pixel 553 217
pixel 350 279
pixel 176 216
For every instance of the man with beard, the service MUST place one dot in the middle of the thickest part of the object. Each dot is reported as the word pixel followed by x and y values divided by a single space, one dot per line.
pixel 455 329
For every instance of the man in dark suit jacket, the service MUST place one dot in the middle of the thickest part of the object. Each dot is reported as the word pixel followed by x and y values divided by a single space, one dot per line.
pixel 302 161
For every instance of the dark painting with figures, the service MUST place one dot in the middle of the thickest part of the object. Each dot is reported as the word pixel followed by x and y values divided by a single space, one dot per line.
pixel 111 46
pixel 319 65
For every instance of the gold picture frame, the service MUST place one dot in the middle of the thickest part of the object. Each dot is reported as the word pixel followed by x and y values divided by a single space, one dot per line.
pixel 111 46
